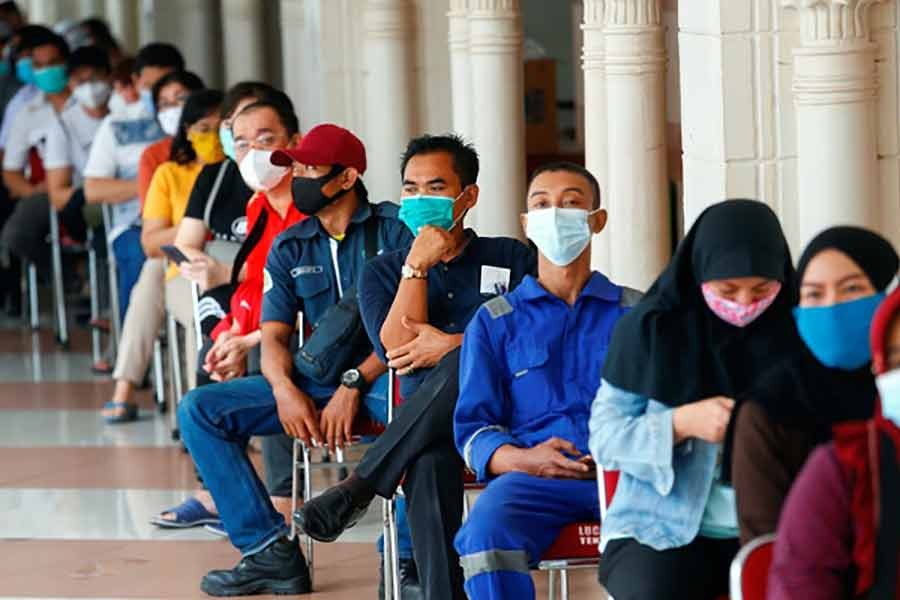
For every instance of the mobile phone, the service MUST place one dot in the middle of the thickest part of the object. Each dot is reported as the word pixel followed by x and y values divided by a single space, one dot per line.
pixel 174 254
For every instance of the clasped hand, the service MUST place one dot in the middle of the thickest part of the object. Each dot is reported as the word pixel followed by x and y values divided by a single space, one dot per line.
pixel 424 351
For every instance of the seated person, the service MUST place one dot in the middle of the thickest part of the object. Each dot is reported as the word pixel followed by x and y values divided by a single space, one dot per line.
pixel 715 318
pixel 195 144
pixel 794 406
pixel 839 534
pixel 416 303
pixel 529 369
pixel 301 275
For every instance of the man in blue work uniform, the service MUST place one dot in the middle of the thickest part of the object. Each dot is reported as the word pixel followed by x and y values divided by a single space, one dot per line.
pixel 529 370
pixel 415 305
pixel 309 267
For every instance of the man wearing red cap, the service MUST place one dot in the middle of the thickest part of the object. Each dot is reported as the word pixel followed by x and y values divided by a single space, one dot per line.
pixel 309 268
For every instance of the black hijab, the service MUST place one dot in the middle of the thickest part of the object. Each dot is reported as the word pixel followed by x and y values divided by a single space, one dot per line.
pixel 672 348
pixel 801 391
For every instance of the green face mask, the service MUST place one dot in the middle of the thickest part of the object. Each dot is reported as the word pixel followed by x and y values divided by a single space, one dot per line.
pixel 51 80
pixel 418 211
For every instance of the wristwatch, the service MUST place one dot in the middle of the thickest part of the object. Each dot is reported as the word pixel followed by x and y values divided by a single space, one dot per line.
pixel 353 379
pixel 407 272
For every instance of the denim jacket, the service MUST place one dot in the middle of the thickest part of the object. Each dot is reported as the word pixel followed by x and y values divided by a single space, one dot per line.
pixel 662 489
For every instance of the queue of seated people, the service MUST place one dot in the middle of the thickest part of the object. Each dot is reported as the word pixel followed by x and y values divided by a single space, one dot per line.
pixel 740 396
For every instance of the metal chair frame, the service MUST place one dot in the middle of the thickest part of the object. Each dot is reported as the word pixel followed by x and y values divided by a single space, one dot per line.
pixel 736 572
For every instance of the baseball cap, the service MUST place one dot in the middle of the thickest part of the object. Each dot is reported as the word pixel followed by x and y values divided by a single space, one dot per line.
pixel 325 145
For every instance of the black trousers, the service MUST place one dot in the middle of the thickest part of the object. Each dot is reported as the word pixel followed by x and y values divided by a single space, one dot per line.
pixel 417 448
pixel 699 571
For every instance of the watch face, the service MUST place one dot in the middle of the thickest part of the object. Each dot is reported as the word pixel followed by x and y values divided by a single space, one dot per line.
pixel 350 377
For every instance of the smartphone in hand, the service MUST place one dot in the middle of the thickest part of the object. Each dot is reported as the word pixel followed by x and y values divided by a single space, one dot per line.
pixel 174 254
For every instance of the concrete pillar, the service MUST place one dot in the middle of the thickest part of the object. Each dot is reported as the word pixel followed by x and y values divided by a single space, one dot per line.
pixel 634 64
pixel 595 141
pixel 835 89
pixel 390 100
pixel 90 8
pixel 292 53
pixel 577 46
pixel 123 20
pixel 244 43
pixel 460 73
pixel 194 26
pixel 498 113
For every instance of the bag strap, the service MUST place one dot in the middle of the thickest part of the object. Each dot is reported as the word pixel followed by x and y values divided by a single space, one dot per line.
pixel 214 192
pixel 249 244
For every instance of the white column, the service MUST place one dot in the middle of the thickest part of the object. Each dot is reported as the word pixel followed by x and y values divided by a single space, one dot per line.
pixel 498 114
pixel 389 92
pixel 90 8
pixel 460 73
pixel 639 216
pixel 194 27
pixel 835 88
pixel 292 54
pixel 243 32
pixel 577 46
pixel 123 20
pixel 595 118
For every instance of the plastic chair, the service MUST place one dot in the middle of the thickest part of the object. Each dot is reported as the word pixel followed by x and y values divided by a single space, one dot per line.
pixel 749 575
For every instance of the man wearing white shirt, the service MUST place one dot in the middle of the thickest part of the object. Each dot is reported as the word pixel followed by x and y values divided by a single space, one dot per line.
pixel 110 175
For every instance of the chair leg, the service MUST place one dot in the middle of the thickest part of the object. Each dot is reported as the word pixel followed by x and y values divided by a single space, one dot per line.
pixel 175 358
pixel 33 296
pixel 395 551
pixel 386 559
pixel 59 292
pixel 96 352
pixel 115 308
pixel 159 379
pixel 551 584
pixel 564 584
pixel 294 486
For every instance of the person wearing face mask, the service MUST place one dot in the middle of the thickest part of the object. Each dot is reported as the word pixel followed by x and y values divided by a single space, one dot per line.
pixel 794 405
pixel 169 94
pixel 839 535
pixel 718 315
pixel 165 206
pixel 110 175
pixel 24 232
pixel 415 304
pixel 529 369
pixel 310 267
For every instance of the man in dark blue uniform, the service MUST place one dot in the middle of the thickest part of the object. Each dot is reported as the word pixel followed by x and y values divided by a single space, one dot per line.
pixel 416 304
pixel 529 370
pixel 309 268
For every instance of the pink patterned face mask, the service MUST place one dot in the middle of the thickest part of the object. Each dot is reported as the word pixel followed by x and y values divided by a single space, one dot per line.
pixel 735 313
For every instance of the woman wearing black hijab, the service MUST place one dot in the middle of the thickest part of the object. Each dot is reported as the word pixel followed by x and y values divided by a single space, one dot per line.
pixel 843 274
pixel 717 317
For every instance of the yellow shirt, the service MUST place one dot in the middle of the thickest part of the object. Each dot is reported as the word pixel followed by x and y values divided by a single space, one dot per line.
pixel 167 196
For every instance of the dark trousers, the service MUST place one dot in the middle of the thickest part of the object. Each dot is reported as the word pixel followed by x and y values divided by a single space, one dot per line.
pixel 417 448
pixel 699 571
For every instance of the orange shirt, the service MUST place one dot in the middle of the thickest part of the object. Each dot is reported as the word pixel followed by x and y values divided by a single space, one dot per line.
pixel 154 155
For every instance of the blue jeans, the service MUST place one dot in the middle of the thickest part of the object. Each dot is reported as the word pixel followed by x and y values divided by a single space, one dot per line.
pixel 129 260
pixel 216 421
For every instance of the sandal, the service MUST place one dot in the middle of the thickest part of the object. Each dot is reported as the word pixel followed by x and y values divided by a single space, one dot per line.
pixel 190 513
pixel 129 412
pixel 217 529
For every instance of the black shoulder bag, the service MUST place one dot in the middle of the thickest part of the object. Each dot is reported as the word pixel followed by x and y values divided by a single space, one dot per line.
pixel 339 337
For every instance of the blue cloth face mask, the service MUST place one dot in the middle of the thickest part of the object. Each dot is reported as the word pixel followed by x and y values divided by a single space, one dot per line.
pixel 560 234
pixel 838 335
pixel 889 393
pixel 51 80
pixel 24 72
pixel 418 211
pixel 226 136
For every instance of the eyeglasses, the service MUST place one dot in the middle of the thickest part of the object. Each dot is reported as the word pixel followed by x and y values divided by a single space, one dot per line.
pixel 265 141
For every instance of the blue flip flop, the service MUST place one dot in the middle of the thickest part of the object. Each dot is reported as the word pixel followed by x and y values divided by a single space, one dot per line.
pixel 127 416
pixel 190 513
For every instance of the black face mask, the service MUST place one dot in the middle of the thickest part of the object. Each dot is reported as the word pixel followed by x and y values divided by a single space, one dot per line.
pixel 307 191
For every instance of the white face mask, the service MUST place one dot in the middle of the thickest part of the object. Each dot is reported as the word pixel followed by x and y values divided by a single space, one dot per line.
pixel 560 234
pixel 92 94
pixel 168 119
pixel 259 173
pixel 889 393
pixel 117 103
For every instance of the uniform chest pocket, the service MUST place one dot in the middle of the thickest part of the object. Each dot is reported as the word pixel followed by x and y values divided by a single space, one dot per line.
pixel 531 381
pixel 310 281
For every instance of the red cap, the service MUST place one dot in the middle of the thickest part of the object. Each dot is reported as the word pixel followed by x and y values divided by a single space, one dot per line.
pixel 325 145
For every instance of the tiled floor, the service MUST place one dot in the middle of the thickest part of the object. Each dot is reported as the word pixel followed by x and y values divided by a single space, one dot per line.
pixel 76 494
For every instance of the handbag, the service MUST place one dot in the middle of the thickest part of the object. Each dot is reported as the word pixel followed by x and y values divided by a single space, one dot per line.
pixel 339 337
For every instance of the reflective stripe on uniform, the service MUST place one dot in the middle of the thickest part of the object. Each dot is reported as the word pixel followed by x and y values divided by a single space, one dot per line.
pixel 467 449
pixel 494 560
pixel 498 307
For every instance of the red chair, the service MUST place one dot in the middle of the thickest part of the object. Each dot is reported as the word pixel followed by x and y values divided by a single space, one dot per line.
pixel 750 569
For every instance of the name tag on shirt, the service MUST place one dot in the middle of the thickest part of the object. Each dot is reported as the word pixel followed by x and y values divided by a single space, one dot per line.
pixel 494 280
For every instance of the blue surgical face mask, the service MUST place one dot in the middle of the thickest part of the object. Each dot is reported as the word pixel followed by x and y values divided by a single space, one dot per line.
pixel 889 393
pixel 147 101
pixel 418 211
pixel 838 335
pixel 24 71
pixel 51 80
pixel 226 136
pixel 560 234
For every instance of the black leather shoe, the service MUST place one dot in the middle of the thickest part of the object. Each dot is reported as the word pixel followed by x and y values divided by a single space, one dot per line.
pixel 410 589
pixel 277 569
pixel 325 517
